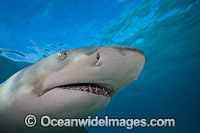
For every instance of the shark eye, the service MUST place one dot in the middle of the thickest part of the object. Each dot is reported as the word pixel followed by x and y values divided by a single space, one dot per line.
pixel 63 55
pixel 98 56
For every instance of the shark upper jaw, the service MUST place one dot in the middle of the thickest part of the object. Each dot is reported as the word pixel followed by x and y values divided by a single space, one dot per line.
pixel 92 88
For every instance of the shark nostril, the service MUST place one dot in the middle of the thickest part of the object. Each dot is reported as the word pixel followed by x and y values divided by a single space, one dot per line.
pixel 98 63
pixel 98 56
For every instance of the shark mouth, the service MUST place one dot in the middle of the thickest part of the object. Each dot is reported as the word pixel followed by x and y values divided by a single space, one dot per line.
pixel 97 89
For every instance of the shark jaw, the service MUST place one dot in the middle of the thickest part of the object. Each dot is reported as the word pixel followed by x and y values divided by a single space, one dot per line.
pixel 93 88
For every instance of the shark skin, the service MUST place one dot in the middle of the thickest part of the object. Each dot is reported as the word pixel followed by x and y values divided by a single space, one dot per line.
pixel 72 83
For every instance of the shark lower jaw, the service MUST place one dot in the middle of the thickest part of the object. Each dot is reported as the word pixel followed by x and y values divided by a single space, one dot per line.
pixel 92 88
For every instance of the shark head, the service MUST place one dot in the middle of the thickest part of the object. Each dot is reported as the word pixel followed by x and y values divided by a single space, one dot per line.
pixel 74 83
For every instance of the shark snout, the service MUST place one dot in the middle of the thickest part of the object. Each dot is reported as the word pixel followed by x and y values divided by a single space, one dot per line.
pixel 118 66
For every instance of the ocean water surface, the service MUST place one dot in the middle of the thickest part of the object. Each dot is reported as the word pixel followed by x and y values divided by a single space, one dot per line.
pixel 168 32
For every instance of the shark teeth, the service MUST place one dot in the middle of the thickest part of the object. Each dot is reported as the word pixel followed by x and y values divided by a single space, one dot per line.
pixel 96 91
pixel 84 89
pixel 89 89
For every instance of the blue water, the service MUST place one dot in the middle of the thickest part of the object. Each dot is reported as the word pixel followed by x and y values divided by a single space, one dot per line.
pixel 167 31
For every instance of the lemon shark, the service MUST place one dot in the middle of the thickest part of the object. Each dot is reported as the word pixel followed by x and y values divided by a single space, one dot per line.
pixel 72 83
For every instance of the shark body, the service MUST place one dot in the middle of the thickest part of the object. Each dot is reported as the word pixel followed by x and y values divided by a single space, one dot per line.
pixel 72 83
